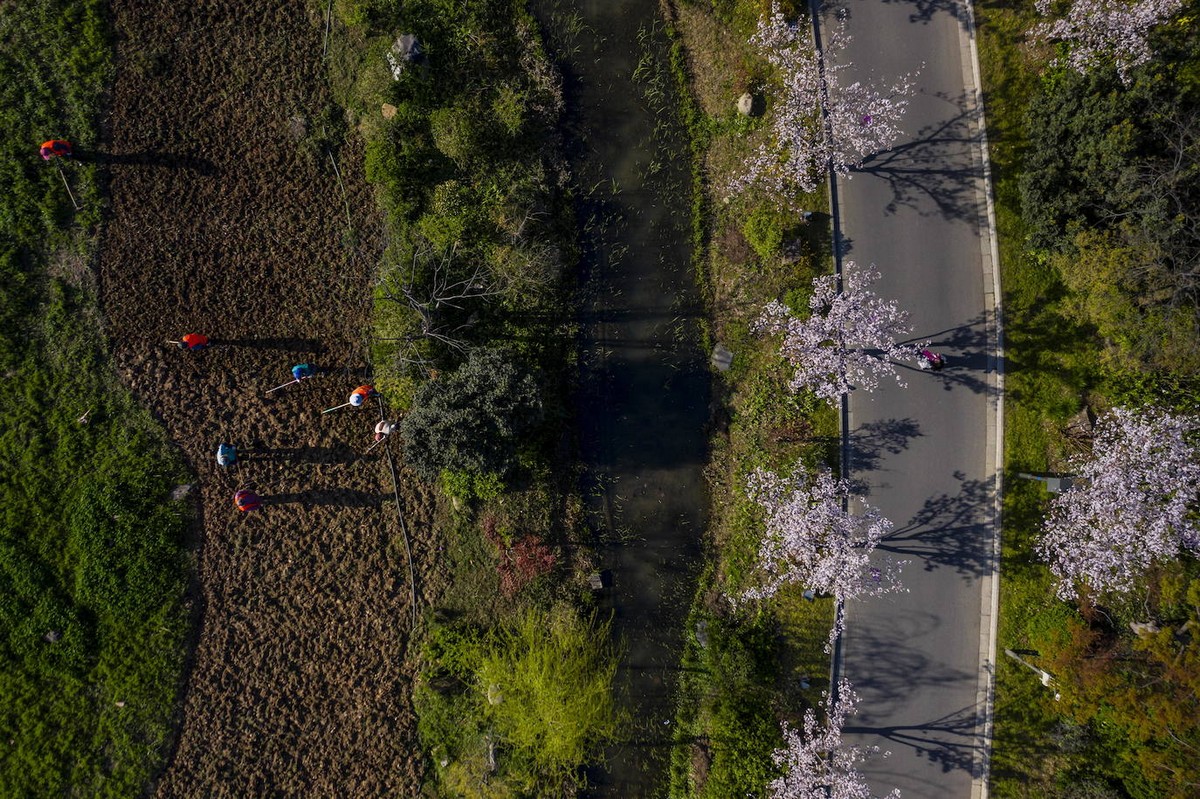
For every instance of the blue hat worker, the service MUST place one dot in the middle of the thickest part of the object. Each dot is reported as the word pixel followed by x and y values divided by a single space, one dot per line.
pixel 226 455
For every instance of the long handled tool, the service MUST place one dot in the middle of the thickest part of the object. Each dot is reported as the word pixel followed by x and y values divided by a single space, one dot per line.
pixel 336 407
pixel 376 444
pixel 288 383
pixel 78 207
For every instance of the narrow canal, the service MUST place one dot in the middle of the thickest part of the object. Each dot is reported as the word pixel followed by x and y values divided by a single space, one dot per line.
pixel 644 389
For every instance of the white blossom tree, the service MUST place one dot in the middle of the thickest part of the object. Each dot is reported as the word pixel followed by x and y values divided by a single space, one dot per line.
pixel 816 763
pixel 1102 31
pixel 813 540
pixel 1134 504
pixel 850 339
pixel 860 119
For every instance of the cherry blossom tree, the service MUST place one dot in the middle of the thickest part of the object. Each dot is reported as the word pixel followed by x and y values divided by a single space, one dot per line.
pixel 813 540
pixel 860 119
pixel 1106 31
pixel 848 341
pixel 1134 504
pixel 816 763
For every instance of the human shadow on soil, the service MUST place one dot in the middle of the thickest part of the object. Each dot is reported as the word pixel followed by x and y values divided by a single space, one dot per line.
pixel 192 163
pixel 341 497
pixel 286 344
pixel 928 170
pixel 336 454
pixel 950 530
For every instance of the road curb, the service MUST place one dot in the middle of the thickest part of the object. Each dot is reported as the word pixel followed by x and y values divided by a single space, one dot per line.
pixel 994 452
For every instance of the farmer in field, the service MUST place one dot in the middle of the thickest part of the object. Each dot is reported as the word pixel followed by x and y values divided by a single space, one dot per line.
pixel 360 395
pixel 193 342
pixel 246 500
pixel 226 454
pixel 56 148
pixel 383 430
pixel 301 371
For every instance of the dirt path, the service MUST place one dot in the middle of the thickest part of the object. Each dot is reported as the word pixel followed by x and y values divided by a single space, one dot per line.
pixel 225 221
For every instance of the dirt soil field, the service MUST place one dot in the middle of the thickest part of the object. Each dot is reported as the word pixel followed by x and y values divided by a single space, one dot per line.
pixel 226 220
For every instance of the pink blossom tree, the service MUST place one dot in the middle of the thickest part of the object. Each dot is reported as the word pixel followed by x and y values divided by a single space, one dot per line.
pixel 848 341
pixel 1134 504
pixel 815 761
pixel 860 119
pixel 1106 31
pixel 813 540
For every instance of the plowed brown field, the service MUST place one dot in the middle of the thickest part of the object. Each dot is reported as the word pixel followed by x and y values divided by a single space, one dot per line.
pixel 221 223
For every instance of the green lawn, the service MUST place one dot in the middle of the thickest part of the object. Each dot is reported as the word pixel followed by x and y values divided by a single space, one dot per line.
pixel 92 560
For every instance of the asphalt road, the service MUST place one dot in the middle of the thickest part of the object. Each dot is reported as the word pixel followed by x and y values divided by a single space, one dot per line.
pixel 919 659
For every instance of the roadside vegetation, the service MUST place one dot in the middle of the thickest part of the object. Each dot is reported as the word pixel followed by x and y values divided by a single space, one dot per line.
pixel 92 558
pixel 747 665
pixel 473 345
pixel 1095 185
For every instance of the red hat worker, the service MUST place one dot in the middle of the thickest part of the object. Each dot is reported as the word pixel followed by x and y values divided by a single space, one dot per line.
pixel 193 342
pixel 56 148
pixel 360 395
pixel 246 500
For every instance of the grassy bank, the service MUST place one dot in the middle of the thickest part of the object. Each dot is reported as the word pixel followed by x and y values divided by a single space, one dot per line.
pixel 92 565
pixel 474 344
pixel 746 667
pixel 1104 736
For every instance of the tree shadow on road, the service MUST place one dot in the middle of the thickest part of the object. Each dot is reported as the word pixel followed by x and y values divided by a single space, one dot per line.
pixel 928 169
pixel 950 531
pixel 967 348
pixel 870 440
pixel 949 741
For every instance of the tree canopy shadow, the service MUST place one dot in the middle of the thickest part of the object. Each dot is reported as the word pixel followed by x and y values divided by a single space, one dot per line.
pixel 950 530
pixel 870 440
pixel 967 348
pixel 885 667
pixel 949 740
pixel 939 166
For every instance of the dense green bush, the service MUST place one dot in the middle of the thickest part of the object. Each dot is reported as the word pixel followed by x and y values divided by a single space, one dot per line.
pixel 473 419
pixel 515 711
pixel 1110 192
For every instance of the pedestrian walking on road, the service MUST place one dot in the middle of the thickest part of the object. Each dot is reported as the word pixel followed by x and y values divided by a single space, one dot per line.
pixel 931 360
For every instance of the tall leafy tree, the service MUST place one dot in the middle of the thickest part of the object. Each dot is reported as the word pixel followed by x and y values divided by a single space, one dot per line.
pixel 817 764
pixel 472 420
pixel 1134 504
pixel 848 341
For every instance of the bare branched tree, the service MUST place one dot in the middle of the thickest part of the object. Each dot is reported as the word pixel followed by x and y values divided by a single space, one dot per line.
pixel 432 286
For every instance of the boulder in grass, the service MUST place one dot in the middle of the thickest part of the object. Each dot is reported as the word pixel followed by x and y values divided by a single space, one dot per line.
pixel 404 51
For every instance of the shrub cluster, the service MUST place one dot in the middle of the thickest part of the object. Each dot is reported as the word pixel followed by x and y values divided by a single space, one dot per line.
pixel 465 157
pixel 514 711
